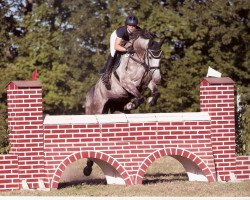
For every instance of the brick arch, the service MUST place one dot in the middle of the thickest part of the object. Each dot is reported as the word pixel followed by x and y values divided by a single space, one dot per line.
pixel 89 154
pixel 174 152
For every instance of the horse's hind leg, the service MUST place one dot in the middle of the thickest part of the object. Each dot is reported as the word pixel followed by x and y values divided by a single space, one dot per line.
pixel 88 169
pixel 94 104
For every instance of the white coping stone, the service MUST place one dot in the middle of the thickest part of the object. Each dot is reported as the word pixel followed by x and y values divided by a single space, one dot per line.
pixel 111 118
pixel 70 119
pixel 188 116
pixel 124 118
pixel 146 117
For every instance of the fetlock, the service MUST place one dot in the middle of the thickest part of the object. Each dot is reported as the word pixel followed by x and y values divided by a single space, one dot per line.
pixel 137 102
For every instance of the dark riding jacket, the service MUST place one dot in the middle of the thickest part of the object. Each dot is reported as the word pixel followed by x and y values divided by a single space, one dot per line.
pixel 123 33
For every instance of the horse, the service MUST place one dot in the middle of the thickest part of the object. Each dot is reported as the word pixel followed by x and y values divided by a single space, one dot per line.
pixel 136 70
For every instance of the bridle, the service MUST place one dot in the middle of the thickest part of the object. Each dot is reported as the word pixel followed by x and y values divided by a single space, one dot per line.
pixel 156 54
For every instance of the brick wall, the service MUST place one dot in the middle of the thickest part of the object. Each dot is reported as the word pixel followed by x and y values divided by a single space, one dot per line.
pixel 41 150
pixel 129 140
pixel 243 167
pixel 9 178
pixel 24 99
pixel 217 98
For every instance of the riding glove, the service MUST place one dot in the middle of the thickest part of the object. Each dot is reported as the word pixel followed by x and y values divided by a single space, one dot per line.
pixel 130 50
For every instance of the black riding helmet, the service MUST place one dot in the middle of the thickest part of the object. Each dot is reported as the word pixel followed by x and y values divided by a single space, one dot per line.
pixel 131 20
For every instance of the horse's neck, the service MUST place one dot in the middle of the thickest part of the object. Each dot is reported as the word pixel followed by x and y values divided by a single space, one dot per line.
pixel 128 65
pixel 140 46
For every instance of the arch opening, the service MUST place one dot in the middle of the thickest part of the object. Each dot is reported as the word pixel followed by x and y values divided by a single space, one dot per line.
pixel 113 171
pixel 165 169
pixel 194 173
pixel 195 167
pixel 73 175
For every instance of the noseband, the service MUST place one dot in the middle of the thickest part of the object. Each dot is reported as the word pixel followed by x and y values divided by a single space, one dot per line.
pixel 156 54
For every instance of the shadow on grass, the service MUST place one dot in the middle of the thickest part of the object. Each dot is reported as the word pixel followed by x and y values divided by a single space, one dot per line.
pixel 82 182
pixel 162 178
pixel 148 179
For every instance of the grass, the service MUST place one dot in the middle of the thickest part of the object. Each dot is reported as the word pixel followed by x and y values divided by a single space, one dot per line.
pixel 165 177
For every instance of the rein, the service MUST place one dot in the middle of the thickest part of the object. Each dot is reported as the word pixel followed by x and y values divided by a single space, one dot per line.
pixel 156 54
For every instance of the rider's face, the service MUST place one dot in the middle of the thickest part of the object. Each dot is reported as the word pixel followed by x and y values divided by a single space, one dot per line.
pixel 131 28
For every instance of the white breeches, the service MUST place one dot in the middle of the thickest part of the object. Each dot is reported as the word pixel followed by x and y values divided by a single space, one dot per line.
pixel 112 43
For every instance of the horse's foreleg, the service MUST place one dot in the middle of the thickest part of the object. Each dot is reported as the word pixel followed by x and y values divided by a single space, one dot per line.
pixel 155 94
pixel 139 99
pixel 153 99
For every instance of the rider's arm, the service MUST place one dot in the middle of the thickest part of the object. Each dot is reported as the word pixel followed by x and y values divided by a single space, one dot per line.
pixel 118 46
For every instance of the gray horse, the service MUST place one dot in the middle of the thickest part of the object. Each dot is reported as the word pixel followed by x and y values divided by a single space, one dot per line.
pixel 142 68
pixel 134 72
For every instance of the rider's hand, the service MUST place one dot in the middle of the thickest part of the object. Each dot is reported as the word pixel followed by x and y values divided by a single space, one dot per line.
pixel 130 49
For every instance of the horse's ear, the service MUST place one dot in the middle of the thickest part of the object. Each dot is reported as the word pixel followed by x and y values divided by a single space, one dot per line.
pixel 162 40
pixel 147 34
pixel 150 42
pixel 135 34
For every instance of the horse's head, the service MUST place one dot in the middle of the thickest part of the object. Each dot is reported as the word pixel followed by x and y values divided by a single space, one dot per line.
pixel 154 53
pixel 147 50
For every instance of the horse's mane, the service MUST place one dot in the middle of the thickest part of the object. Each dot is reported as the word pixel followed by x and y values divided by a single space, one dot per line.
pixel 141 33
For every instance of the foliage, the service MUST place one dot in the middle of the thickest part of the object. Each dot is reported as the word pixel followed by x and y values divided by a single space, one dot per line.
pixel 67 41
pixel 243 136
pixel 246 131
pixel 4 145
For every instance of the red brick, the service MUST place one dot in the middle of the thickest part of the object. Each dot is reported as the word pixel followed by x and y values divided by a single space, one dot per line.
pixel 191 123
pixel 163 124
pixel 121 134
pixel 108 125
pixel 143 128
pixel 115 130
pixel 136 124
pixel 121 125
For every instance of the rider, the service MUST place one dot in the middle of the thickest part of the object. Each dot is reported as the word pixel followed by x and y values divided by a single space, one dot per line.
pixel 117 37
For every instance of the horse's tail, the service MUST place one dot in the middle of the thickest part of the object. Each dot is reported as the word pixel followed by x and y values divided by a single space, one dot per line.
pixel 89 100
pixel 83 105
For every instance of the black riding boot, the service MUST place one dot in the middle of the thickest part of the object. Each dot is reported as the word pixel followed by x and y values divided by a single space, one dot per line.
pixel 108 69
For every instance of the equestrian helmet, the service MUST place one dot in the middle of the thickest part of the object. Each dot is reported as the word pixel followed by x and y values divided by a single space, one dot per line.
pixel 131 20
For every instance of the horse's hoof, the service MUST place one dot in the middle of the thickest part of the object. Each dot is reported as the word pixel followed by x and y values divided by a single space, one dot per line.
pixel 152 103
pixel 150 99
pixel 90 163
pixel 129 106
pixel 87 171
pixel 138 102
pixel 141 100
